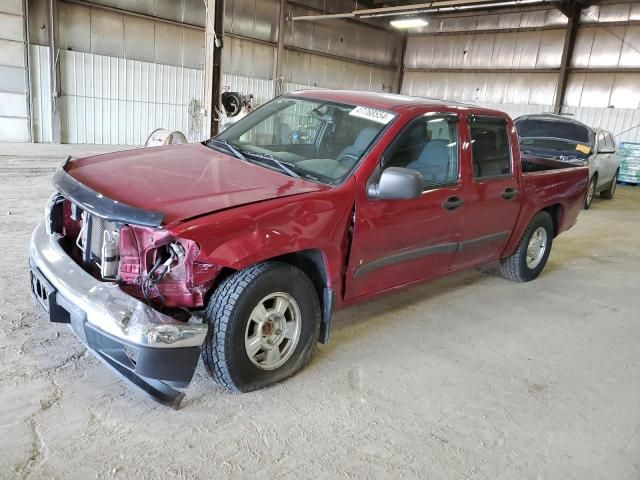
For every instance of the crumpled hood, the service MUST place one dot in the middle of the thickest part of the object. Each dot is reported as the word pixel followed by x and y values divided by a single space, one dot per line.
pixel 183 181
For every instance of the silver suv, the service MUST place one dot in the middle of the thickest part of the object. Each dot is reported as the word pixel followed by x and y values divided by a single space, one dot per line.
pixel 556 136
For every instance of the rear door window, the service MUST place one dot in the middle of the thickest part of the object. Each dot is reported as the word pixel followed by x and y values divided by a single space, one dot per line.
pixel 610 142
pixel 490 147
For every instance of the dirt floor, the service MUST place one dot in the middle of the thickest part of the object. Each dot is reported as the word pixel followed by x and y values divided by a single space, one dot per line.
pixel 469 377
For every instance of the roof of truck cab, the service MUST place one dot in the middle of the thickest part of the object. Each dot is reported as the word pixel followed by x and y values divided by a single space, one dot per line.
pixel 384 101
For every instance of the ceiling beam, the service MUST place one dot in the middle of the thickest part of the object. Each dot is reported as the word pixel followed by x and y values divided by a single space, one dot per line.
pixel 573 14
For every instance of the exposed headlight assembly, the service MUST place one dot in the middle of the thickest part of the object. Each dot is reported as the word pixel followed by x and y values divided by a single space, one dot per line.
pixel 53 214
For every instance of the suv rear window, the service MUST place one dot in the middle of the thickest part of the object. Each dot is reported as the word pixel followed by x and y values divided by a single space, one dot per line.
pixel 546 128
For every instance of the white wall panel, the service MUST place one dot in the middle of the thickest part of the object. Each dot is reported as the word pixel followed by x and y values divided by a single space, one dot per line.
pixel 310 69
pixel 289 87
pixel 541 49
pixel 606 47
pixel 14 91
pixel 247 58
pixel 262 90
pixel 40 94
pixel 12 53
pixel 623 123
pixel 619 90
pixel 515 110
pixel 480 87
pixel 94 30
pixel 107 100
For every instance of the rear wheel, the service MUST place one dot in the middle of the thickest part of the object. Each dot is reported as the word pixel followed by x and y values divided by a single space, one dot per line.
pixel 264 324
pixel 530 257
pixel 608 193
pixel 590 192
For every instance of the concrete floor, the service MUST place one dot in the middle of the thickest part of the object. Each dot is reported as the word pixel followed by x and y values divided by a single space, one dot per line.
pixel 469 377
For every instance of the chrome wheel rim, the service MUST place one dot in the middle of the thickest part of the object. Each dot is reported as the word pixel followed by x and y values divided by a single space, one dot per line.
pixel 536 248
pixel 273 331
pixel 614 184
pixel 592 188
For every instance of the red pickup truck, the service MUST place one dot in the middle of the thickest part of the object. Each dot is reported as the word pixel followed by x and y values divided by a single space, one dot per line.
pixel 239 249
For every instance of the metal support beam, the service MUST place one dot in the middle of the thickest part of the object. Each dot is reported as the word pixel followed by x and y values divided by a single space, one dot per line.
pixel 214 16
pixel 318 53
pixel 27 64
pixel 346 17
pixel 488 31
pixel 481 70
pixel 279 52
pixel 54 74
pixel 573 9
pixel 400 72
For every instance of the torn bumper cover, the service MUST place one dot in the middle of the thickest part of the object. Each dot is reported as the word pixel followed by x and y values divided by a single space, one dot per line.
pixel 153 351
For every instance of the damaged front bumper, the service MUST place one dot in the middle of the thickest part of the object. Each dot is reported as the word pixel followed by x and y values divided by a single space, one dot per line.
pixel 153 351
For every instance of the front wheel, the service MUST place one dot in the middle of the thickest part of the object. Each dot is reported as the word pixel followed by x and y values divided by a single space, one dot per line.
pixel 263 326
pixel 530 257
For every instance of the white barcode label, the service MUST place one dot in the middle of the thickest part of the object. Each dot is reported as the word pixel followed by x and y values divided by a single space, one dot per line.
pixel 372 114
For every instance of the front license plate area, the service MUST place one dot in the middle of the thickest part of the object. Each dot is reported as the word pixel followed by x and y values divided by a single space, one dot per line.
pixel 41 289
pixel 46 295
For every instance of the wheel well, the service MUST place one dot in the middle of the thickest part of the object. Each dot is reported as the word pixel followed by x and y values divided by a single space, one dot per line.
pixel 556 215
pixel 311 262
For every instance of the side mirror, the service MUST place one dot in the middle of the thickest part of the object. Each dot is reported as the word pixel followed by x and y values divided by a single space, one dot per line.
pixel 397 184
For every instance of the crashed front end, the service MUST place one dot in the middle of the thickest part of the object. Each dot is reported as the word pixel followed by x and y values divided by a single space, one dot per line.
pixel 128 289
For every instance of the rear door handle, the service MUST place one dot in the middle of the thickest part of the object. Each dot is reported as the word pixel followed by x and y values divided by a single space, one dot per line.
pixel 452 203
pixel 509 193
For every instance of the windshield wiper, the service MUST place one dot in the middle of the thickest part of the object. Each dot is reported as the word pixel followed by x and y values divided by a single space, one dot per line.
pixel 285 167
pixel 229 147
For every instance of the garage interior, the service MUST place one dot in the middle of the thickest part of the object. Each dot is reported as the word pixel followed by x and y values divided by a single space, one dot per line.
pixel 467 377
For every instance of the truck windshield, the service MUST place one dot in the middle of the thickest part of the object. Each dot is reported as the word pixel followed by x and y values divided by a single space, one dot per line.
pixel 307 138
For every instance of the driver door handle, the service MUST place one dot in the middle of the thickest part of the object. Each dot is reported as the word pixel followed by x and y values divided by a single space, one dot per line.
pixel 509 193
pixel 452 203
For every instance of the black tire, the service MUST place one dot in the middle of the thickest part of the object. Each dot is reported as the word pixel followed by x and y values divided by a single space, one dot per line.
pixel 224 354
pixel 515 266
pixel 589 196
pixel 608 193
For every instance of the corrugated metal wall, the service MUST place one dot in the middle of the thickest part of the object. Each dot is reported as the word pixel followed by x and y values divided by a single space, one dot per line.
pixel 14 78
pixel 109 100
pixel 506 63
pixel 263 90
pixel 340 54
pixel 122 75
pixel 507 60
pixel 41 93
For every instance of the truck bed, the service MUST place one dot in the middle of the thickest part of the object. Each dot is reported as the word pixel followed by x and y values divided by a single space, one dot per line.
pixel 552 185
pixel 531 163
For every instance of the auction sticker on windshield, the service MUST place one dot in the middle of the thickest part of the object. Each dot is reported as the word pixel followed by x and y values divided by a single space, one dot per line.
pixel 583 148
pixel 372 114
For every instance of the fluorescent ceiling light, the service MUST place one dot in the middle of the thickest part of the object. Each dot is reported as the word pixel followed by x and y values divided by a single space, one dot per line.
pixel 409 23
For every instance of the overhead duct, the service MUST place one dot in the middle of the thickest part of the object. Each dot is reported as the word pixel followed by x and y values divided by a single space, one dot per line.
pixel 419 8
